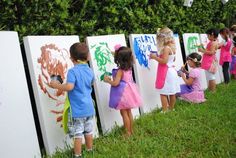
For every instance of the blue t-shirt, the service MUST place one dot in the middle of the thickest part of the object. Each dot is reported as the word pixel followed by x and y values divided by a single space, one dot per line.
pixel 80 97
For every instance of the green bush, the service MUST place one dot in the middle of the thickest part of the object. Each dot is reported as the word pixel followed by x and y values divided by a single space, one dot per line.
pixel 95 17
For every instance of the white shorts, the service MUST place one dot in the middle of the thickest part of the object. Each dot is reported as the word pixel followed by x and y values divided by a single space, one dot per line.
pixel 210 76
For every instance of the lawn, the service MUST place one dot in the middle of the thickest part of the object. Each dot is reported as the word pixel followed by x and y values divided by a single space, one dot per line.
pixel 192 130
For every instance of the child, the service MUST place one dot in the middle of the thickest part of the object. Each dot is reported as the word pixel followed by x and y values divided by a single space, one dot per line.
pixel 191 91
pixel 209 58
pixel 225 56
pixel 124 93
pixel 233 31
pixel 233 63
pixel 79 86
pixel 166 78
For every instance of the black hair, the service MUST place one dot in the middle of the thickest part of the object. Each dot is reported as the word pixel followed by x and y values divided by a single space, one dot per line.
pixel 213 32
pixel 196 58
pixel 225 33
pixel 123 58
pixel 79 51
pixel 234 41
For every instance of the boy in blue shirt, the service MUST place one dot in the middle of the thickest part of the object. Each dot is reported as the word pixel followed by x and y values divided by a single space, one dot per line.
pixel 79 86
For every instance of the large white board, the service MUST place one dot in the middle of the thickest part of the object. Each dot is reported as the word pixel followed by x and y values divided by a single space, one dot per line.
pixel 18 136
pixel 190 42
pixel 145 69
pixel 102 61
pixel 47 55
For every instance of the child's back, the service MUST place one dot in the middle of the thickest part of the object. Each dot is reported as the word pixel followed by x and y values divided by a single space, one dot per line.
pixel 80 97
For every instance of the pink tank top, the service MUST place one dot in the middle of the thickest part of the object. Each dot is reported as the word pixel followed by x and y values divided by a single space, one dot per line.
pixel 207 59
pixel 225 55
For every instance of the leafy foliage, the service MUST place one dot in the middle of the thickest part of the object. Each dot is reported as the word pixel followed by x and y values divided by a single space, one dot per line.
pixel 94 17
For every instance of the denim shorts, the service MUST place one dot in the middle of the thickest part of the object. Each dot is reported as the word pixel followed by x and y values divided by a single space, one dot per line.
pixel 79 127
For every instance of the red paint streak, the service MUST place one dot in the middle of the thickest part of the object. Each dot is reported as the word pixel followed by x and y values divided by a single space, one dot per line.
pixel 53 61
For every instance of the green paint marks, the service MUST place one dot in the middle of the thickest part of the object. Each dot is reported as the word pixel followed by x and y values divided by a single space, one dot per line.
pixel 192 45
pixel 103 57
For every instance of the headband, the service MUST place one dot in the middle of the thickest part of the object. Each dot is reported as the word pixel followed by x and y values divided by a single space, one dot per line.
pixel 193 59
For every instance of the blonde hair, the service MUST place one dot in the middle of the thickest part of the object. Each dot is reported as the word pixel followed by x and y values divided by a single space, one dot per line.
pixel 165 37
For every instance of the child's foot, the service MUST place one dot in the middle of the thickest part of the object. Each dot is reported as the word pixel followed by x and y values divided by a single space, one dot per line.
pixel 77 156
pixel 127 135
pixel 163 112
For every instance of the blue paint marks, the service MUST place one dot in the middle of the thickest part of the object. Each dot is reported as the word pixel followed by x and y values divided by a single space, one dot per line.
pixel 142 46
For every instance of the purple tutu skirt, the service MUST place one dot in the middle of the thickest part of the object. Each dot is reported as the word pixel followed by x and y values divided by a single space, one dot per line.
pixel 184 89
pixel 116 92
pixel 233 65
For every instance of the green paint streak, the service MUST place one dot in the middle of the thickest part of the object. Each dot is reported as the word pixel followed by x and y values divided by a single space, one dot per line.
pixel 192 44
pixel 103 56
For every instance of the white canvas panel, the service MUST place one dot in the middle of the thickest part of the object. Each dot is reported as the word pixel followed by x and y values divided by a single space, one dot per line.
pixel 18 136
pixel 145 69
pixel 102 61
pixel 190 42
pixel 47 55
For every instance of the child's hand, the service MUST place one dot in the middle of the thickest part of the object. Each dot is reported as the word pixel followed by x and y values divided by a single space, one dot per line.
pixel 152 56
pixel 183 75
pixel 201 50
pixel 53 83
pixel 107 78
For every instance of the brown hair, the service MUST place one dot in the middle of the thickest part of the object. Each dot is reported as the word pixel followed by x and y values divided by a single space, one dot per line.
pixel 196 58
pixel 123 58
pixel 79 51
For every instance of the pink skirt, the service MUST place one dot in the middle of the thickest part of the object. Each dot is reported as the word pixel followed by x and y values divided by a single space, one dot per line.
pixel 130 97
pixel 194 97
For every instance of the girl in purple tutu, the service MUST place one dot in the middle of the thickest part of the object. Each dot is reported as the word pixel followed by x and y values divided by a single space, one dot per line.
pixel 124 94
pixel 233 63
pixel 191 91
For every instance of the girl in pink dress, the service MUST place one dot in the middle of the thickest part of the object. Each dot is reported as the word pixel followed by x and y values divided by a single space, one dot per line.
pixel 233 63
pixel 191 91
pixel 225 56
pixel 124 94
pixel 209 58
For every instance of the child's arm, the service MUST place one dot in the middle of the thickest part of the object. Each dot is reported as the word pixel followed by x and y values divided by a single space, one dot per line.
pixel 63 87
pixel 233 51
pixel 116 80
pixel 164 58
pixel 212 50
pixel 188 81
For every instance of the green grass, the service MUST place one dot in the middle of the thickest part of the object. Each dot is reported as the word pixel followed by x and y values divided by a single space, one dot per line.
pixel 193 130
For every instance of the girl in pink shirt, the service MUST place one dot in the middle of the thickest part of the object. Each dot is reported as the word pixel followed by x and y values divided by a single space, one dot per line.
pixel 191 91
pixel 225 56
pixel 209 58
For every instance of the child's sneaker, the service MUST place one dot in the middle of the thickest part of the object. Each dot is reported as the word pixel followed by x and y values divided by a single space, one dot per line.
pixel 163 112
pixel 77 156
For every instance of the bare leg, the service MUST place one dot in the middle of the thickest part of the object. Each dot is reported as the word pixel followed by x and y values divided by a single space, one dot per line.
pixel 164 102
pixel 89 141
pixel 172 102
pixel 130 120
pixel 126 121
pixel 212 85
pixel 77 146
